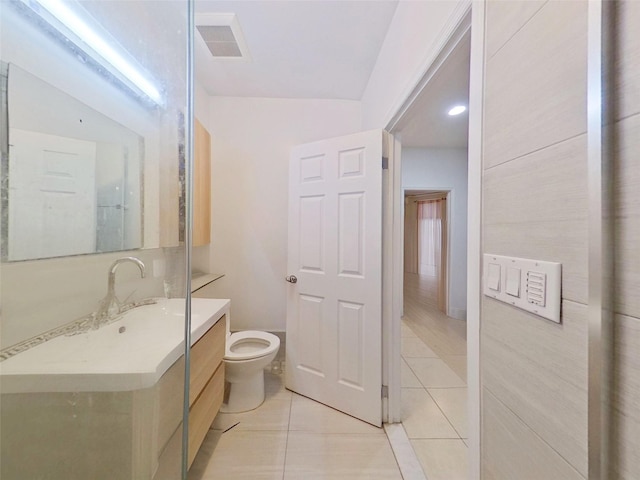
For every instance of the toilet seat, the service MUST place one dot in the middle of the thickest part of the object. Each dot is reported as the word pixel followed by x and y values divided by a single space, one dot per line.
pixel 250 344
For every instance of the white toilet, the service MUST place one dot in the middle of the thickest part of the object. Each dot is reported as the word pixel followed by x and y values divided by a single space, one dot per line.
pixel 246 355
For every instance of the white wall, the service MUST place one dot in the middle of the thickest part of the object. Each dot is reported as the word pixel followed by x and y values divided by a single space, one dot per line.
pixel 417 33
pixel 251 139
pixel 445 169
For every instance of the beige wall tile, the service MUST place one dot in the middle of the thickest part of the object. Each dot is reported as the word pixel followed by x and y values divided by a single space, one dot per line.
pixel 626 204
pixel 536 207
pixel 547 185
pixel 627 73
pixel 625 421
pixel 506 17
pixel 511 450
pixel 538 369
pixel 40 295
pixel 535 86
pixel 560 241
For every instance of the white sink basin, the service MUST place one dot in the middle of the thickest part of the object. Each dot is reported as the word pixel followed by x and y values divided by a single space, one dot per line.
pixel 129 354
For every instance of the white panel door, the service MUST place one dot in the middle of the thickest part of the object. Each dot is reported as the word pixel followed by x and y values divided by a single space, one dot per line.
pixel 52 196
pixel 334 310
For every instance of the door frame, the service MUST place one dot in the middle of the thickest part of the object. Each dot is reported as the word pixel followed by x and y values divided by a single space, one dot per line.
pixel 469 16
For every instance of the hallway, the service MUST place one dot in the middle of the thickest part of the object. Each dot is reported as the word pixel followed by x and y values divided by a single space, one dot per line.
pixel 434 393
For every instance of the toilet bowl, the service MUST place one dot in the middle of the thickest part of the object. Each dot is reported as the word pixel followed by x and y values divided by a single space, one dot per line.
pixel 246 355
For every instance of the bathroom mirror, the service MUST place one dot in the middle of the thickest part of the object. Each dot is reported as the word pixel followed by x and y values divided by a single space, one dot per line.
pixel 74 176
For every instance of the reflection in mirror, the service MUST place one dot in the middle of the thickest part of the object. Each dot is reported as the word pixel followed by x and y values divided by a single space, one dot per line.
pixel 74 175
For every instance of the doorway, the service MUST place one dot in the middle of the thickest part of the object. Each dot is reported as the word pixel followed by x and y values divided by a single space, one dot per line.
pixel 433 331
pixel 426 233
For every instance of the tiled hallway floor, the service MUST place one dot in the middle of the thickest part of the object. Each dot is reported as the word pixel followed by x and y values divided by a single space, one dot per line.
pixel 434 391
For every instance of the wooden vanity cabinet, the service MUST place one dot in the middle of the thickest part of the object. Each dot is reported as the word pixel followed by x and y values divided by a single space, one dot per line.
pixel 206 390
pixel 206 387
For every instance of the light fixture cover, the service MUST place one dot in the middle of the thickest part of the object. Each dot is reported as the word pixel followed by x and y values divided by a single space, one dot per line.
pixel 457 110
pixel 66 18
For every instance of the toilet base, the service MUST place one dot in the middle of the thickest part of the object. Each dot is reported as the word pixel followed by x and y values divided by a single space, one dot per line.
pixel 245 395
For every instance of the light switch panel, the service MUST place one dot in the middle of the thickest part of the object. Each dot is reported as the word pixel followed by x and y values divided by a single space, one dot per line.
pixel 532 285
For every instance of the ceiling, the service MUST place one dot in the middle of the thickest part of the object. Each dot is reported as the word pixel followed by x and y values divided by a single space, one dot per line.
pixel 427 123
pixel 327 49
pixel 298 49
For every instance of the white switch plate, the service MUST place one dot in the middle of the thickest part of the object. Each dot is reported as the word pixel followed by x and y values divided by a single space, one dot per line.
pixel 545 278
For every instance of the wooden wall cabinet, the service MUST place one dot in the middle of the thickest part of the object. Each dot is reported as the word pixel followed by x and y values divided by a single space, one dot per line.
pixel 201 186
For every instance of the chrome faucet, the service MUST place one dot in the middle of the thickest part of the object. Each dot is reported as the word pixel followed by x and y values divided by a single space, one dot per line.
pixel 110 305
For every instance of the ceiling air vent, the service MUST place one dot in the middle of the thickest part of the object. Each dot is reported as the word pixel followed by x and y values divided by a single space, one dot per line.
pixel 222 35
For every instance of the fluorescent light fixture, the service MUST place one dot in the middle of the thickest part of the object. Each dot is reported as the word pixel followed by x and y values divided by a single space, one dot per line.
pixel 457 110
pixel 120 63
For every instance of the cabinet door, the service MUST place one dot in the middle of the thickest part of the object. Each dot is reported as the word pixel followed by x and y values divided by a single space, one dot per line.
pixel 201 186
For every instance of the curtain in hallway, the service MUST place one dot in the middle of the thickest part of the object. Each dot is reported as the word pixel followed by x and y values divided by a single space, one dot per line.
pixel 429 237
pixel 411 236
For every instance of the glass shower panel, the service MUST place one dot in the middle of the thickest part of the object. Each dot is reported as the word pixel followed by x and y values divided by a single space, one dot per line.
pixel 93 97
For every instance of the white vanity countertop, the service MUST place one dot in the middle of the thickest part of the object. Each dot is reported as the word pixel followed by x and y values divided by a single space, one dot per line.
pixel 108 359
pixel 199 280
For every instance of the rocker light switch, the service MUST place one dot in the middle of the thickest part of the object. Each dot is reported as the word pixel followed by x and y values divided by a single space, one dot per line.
pixel 493 277
pixel 513 281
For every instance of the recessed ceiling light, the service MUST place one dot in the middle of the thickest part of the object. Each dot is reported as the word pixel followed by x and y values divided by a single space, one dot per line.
pixel 457 110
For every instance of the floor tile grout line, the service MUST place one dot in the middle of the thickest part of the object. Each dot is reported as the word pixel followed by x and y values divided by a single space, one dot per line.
pixel 437 438
pixel 446 343
pixel 443 413
pixel 429 393
pixel 286 443
pixel 425 386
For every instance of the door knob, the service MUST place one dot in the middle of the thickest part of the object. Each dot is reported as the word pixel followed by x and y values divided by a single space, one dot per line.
pixel 291 279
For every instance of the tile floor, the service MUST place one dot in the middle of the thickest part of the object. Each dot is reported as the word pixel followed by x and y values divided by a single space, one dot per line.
pixel 434 393
pixel 434 400
pixel 291 437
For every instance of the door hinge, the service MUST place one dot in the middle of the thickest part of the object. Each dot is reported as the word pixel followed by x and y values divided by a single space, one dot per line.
pixel 385 163
pixel 385 391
